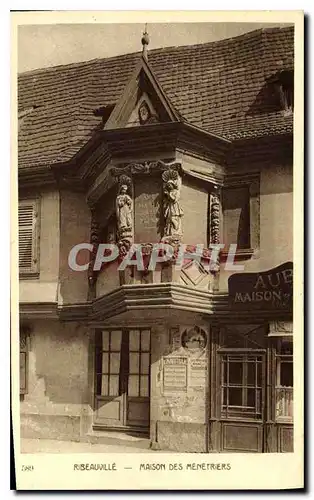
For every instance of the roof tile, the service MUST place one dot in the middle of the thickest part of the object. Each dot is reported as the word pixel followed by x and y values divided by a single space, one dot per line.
pixel 212 85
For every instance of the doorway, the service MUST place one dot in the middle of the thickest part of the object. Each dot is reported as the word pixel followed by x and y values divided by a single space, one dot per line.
pixel 122 378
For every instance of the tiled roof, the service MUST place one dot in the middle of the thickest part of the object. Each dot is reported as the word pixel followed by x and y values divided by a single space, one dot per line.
pixel 218 86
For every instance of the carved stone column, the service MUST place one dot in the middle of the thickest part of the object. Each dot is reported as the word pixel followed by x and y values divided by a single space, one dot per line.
pixel 94 240
pixel 215 218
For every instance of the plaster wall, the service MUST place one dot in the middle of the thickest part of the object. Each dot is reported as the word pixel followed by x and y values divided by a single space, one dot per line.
pixel 275 224
pixel 45 287
pixel 57 403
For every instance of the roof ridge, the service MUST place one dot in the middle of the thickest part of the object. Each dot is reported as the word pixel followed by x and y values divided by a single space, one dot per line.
pixel 152 51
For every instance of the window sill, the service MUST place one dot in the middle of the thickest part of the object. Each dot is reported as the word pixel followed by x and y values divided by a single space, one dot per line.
pixel 241 254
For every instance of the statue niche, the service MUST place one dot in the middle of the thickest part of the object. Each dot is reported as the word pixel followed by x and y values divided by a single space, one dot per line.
pixel 173 211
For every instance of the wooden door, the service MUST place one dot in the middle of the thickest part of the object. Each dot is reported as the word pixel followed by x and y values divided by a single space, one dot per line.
pixel 138 378
pixel 122 378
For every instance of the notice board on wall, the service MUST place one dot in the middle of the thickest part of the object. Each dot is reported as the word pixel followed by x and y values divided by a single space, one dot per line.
pixel 175 373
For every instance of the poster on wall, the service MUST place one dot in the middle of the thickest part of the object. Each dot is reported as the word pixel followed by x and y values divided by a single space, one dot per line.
pixel 198 372
pixel 175 373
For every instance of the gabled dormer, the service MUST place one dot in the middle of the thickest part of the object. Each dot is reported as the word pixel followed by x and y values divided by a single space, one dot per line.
pixel 143 101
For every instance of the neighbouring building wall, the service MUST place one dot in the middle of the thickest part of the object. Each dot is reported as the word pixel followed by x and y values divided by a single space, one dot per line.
pixel 56 405
pixel 44 288
pixel 74 229
pixel 276 223
pixel 179 392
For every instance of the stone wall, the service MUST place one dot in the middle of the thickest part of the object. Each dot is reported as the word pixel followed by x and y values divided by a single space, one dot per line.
pixel 179 391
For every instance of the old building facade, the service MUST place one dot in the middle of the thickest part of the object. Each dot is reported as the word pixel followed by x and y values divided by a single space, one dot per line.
pixel 188 145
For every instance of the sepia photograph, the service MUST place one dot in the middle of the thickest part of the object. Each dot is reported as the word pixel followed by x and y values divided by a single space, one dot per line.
pixel 156 245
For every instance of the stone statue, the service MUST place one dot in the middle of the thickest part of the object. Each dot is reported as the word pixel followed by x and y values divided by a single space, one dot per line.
pixel 124 211
pixel 173 212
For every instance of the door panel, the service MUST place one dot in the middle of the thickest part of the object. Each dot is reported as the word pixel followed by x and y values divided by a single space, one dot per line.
pixel 138 412
pixel 109 411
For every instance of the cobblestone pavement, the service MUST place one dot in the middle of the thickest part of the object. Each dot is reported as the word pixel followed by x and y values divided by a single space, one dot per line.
pixel 54 446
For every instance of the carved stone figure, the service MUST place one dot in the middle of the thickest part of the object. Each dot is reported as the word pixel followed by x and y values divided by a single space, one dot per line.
pixel 124 210
pixel 145 115
pixel 173 211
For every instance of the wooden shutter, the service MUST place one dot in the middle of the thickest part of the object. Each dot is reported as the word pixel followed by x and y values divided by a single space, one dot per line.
pixel 28 236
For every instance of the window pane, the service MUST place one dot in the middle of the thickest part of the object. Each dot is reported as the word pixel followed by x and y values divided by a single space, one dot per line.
pixel 145 340
pixel 134 341
pixel 286 376
pixel 145 363
pixel 134 362
pixel 224 372
pixel 235 397
pixel 144 386
pixel 115 362
pixel 105 341
pixel 251 373
pixel 251 398
pixel 133 385
pixel 104 385
pixel 114 385
pixel 116 340
pixel 235 373
pixel 284 403
pixel 104 368
pixel 224 396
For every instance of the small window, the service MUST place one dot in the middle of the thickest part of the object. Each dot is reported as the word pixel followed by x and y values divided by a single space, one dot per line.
pixel 285 89
pixel 28 220
pixel 284 380
pixel 241 385
pixel 236 216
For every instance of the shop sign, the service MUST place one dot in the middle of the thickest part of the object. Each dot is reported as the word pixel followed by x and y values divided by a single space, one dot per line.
pixel 271 289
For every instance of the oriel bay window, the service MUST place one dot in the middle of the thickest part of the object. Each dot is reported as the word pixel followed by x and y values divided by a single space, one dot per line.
pixel 122 377
pixel 242 385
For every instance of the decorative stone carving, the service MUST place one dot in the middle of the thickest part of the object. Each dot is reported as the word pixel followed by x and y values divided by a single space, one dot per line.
pixel 144 168
pixel 94 240
pixel 145 115
pixel 124 214
pixel 215 219
pixel 173 211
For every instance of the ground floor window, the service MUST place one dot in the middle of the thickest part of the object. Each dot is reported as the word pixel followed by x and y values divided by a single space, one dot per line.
pixel 241 385
pixel 284 379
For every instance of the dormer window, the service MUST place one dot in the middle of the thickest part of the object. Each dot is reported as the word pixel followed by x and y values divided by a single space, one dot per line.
pixel 285 90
